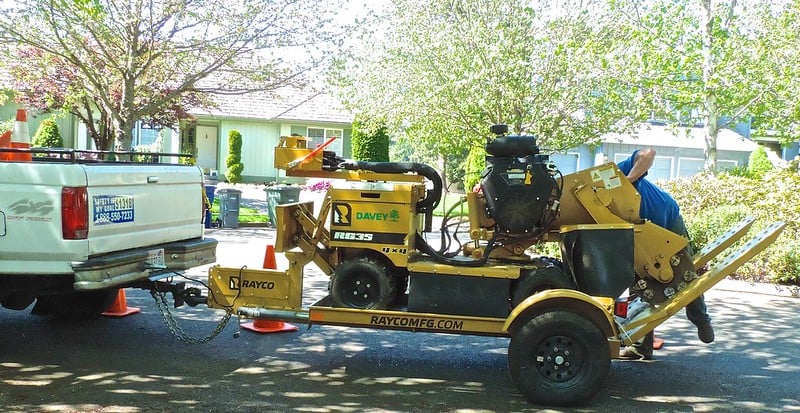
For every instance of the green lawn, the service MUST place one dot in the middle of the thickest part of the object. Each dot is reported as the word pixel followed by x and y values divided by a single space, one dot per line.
pixel 246 215
pixel 448 200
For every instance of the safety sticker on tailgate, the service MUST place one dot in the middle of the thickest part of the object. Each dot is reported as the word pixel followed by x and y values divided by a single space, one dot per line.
pixel 112 209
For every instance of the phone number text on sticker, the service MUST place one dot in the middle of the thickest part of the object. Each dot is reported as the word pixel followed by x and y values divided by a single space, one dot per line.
pixel 112 209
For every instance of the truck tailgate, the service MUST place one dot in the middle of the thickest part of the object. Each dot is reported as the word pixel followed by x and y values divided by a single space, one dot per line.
pixel 139 205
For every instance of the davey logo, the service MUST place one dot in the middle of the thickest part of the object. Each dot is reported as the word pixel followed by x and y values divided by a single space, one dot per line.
pixel 393 216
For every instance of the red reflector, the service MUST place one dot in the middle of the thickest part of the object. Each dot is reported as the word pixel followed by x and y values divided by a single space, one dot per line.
pixel 74 212
pixel 621 308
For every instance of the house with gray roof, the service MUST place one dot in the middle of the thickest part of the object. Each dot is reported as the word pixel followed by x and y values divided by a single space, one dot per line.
pixel 679 151
pixel 262 118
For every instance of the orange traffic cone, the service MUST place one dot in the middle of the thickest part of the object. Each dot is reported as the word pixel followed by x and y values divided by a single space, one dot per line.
pixel 120 307
pixel 269 326
pixel 21 137
pixel 5 142
pixel 269 259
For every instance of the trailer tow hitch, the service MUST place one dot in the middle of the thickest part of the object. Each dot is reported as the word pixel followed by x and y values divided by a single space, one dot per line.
pixel 159 286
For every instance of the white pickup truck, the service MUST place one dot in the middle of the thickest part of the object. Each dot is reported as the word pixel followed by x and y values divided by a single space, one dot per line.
pixel 73 232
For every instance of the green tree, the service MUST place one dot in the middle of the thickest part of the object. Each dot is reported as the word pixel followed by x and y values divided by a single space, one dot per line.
pixel 713 63
pixel 443 72
pixel 48 135
pixel 476 162
pixel 233 161
pixel 370 140
pixel 115 62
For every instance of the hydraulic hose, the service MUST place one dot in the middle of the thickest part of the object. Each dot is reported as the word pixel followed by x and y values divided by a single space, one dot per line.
pixel 432 197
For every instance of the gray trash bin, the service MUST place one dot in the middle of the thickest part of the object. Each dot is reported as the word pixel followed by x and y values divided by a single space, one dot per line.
pixel 279 195
pixel 229 200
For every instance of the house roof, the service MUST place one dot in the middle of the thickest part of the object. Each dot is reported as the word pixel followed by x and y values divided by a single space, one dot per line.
pixel 282 104
pixel 658 135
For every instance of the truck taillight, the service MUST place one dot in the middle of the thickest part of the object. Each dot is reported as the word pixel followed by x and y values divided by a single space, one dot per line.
pixel 74 212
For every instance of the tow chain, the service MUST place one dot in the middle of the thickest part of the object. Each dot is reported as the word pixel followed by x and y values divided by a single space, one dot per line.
pixel 172 324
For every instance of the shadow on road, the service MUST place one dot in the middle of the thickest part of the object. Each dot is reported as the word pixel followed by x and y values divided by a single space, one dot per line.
pixel 134 365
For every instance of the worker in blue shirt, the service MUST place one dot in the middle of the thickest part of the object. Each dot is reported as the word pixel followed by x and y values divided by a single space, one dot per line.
pixel 660 208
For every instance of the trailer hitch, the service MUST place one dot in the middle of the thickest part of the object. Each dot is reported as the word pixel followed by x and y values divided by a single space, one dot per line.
pixel 191 296
pixel 164 283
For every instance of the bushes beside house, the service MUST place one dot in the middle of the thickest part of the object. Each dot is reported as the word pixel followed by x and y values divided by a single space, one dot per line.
pixel 713 203
pixel 48 135
pixel 233 161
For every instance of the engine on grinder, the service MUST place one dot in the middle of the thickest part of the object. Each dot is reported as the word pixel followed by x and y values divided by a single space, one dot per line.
pixel 519 185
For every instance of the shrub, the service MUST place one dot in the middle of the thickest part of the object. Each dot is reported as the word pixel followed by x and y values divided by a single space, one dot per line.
pixel 712 203
pixel 711 223
pixel 234 160
pixel 370 141
pixel 47 135
pixel 758 163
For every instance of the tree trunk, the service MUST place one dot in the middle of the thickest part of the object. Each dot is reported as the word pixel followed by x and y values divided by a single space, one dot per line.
pixel 443 171
pixel 710 115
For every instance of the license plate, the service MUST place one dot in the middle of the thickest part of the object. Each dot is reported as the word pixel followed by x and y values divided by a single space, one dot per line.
pixel 156 258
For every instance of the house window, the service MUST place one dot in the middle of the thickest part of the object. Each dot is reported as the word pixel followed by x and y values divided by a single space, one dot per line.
pixel 661 169
pixel 144 134
pixel 567 163
pixel 690 166
pixel 318 136
pixel 724 165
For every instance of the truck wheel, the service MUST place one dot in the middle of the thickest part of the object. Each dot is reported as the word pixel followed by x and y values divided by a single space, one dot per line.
pixel 362 283
pixel 540 279
pixel 17 301
pixel 558 358
pixel 75 305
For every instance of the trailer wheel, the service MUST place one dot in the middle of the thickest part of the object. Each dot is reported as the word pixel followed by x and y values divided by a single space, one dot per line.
pixel 558 358
pixel 363 283
pixel 540 279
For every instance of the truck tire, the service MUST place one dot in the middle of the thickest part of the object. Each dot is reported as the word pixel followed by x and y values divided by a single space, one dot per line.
pixel 558 358
pixel 17 301
pixel 540 279
pixel 363 283
pixel 75 305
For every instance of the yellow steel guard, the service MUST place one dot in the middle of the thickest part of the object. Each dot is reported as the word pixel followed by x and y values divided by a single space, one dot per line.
pixel 231 288
pixel 604 304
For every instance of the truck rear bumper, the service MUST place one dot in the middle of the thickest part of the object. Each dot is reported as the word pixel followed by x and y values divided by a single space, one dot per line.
pixel 120 268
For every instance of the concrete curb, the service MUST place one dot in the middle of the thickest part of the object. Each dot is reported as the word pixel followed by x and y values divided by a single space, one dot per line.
pixel 791 291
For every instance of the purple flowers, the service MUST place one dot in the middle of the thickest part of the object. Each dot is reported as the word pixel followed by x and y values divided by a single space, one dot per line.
pixel 319 186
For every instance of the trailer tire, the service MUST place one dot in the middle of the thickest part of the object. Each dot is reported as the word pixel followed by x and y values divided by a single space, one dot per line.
pixel 363 283
pixel 558 358
pixel 540 279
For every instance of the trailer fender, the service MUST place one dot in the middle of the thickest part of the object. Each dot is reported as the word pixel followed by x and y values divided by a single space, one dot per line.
pixel 599 310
